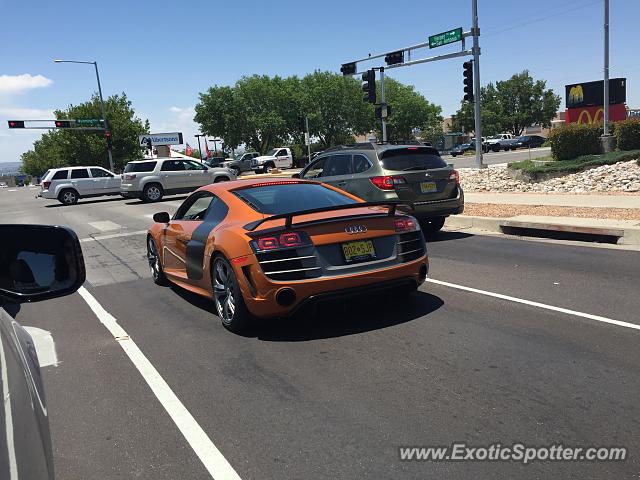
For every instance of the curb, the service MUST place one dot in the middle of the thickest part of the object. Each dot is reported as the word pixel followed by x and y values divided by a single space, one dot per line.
pixel 625 235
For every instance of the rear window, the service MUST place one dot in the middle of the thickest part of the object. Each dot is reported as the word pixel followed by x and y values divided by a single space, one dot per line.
pixel 140 167
pixel 79 173
pixel 293 197
pixel 401 159
pixel 60 175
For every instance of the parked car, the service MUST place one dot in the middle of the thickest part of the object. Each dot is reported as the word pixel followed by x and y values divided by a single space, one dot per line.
pixel 214 162
pixel 461 148
pixel 241 162
pixel 70 184
pixel 412 173
pixel 150 180
pixel 502 141
pixel 530 141
pixel 281 157
pixel 36 263
pixel 254 249
pixel 3 185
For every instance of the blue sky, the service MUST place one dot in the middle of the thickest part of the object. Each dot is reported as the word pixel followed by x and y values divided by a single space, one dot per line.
pixel 162 54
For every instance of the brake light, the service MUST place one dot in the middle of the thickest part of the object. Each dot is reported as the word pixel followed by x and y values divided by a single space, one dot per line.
pixel 129 176
pixel 291 239
pixel 267 243
pixel 454 175
pixel 45 185
pixel 278 182
pixel 387 182
pixel 412 148
pixel 405 224
pixel 284 240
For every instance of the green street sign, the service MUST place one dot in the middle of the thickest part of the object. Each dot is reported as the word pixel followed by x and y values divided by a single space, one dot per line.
pixel 445 38
pixel 89 122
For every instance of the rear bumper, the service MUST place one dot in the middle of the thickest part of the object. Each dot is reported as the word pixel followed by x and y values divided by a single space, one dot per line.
pixel 438 208
pixel 46 194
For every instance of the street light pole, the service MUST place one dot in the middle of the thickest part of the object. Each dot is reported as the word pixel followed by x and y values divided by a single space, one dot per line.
pixel 476 81
pixel 199 148
pixel 104 118
pixel 606 68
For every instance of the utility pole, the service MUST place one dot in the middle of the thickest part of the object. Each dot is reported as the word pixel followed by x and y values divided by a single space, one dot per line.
pixel 384 120
pixel 308 139
pixel 606 68
pixel 475 32
pixel 198 135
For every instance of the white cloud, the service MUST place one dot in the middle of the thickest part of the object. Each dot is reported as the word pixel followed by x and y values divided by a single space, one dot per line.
pixel 22 83
pixel 26 113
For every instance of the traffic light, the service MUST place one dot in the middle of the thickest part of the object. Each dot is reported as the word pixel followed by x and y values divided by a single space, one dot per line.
pixel 394 57
pixel 348 68
pixel 302 124
pixel 468 81
pixel 369 86
pixel 16 123
pixel 109 141
pixel 63 124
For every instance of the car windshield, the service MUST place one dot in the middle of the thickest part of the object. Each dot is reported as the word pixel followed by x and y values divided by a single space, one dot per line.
pixel 411 158
pixel 238 156
pixel 271 152
pixel 291 197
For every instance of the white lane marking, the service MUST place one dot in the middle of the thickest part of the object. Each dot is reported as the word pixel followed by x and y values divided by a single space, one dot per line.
pixel 215 463
pixel 597 318
pixel 112 235
pixel 11 190
pixel 8 417
pixel 44 345
pixel 105 225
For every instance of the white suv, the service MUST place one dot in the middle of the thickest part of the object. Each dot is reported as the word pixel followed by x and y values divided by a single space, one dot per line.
pixel 149 180
pixel 69 184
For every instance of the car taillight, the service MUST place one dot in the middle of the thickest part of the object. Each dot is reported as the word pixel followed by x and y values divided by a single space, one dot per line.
pixel 45 185
pixel 129 176
pixel 454 175
pixel 284 240
pixel 406 224
pixel 387 182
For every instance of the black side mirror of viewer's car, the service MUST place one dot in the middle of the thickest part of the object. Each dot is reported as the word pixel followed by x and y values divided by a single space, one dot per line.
pixel 38 262
pixel 161 217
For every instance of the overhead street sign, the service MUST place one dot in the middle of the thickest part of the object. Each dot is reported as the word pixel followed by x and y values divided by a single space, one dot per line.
pixel 173 138
pixel 445 38
pixel 89 122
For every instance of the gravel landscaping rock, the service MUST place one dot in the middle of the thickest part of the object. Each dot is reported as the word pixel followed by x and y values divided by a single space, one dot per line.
pixel 619 177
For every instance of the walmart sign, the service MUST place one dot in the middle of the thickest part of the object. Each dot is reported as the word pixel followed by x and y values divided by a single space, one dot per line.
pixel 173 138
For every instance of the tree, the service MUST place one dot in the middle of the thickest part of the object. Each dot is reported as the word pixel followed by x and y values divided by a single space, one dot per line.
pixel 410 111
pixel 60 148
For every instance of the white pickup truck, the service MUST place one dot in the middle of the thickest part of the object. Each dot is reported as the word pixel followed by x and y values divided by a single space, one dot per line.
pixel 280 157
pixel 504 141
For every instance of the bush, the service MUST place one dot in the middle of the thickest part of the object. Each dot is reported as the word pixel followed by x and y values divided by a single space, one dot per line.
pixel 575 140
pixel 628 134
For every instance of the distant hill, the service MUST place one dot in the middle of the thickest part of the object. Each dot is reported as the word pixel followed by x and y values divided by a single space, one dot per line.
pixel 10 168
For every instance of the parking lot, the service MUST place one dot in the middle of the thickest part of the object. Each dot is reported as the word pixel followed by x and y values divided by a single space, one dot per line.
pixel 510 340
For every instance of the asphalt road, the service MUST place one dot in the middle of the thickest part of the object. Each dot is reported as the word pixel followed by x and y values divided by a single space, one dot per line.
pixel 492 158
pixel 335 394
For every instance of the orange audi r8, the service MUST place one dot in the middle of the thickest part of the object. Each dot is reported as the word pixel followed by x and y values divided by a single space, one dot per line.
pixel 265 248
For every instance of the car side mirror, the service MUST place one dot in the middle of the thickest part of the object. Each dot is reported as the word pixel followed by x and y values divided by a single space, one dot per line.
pixel 38 262
pixel 161 217
pixel 205 168
pixel 295 175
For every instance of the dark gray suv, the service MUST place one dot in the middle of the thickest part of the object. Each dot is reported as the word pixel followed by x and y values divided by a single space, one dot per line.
pixel 415 173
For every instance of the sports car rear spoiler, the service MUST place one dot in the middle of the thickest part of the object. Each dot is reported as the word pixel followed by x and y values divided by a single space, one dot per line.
pixel 392 204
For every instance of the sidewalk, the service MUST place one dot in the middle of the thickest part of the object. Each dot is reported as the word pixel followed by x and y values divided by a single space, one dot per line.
pixel 560 200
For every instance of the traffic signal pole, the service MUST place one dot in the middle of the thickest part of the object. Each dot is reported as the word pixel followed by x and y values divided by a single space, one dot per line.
pixel 475 32
pixel 104 118
pixel 384 120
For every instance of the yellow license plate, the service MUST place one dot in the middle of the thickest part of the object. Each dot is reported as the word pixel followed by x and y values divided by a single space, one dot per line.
pixel 356 251
pixel 428 187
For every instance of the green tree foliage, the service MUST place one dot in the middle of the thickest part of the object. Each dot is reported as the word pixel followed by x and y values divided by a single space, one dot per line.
pixel 510 106
pixel 410 111
pixel 60 148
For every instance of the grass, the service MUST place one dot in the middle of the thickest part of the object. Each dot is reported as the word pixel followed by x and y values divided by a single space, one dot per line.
pixel 576 164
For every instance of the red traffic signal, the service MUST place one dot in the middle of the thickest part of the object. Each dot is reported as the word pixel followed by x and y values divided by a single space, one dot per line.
pixel 16 123
pixel 63 124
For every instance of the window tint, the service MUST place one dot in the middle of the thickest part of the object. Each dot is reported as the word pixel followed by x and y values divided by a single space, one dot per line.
pixel 277 199
pixel 191 165
pixel 195 207
pixel 79 173
pixel 337 165
pixel 60 175
pixel 411 158
pixel 315 170
pixel 140 167
pixel 172 166
pixel 98 173
pixel 360 164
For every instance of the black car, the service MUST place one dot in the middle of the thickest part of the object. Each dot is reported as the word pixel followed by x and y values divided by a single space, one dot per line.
pixel 461 148
pixel 36 263
pixel 530 141
pixel 215 161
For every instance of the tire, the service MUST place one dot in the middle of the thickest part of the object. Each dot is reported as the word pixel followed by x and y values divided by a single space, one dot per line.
pixel 152 192
pixel 432 225
pixel 155 265
pixel 454 154
pixel 68 196
pixel 222 178
pixel 495 148
pixel 227 297
pixel 269 166
pixel 236 171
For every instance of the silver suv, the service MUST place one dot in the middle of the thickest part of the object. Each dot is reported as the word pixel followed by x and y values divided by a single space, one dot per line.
pixel 413 173
pixel 69 184
pixel 150 180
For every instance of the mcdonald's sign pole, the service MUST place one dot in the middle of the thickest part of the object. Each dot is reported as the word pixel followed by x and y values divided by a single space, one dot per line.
pixel 606 68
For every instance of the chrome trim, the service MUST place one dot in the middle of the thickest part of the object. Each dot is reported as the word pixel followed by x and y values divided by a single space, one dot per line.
pixel 409 241
pixel 412 251
pixel 291 271
pixel 286 259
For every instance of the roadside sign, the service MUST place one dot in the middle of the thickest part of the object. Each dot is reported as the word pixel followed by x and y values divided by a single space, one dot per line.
pixel 89 122
pixel 445 38
pixel 173 138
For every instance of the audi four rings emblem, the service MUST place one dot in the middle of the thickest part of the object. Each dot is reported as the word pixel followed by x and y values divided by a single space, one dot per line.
pixel 351 229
